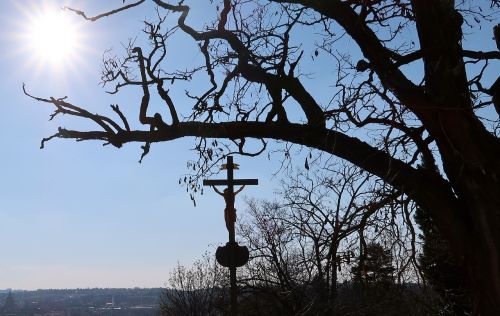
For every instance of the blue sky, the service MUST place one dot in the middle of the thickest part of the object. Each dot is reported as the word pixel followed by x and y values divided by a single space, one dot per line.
pixel 82 215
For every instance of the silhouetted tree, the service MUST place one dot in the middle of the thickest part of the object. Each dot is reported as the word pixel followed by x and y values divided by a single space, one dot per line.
pixel 373 291
pixel 374 266
pixel 440 268
pixel 303 245
pixel 393 98
pixel 199 290
pixel 289 272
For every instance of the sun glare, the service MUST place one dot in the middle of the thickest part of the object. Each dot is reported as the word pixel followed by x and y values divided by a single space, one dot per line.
pixel 52 39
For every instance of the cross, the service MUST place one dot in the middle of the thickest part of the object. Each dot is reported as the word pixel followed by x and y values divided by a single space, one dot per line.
pixel 229 197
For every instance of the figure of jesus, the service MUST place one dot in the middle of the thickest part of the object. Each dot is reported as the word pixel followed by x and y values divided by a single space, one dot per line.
pixel 229 211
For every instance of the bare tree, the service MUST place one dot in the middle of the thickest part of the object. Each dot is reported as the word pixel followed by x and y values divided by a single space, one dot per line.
pixel 304 245
pixel 198 290
pixel 274 277
pixel 410 96
pixel 327 224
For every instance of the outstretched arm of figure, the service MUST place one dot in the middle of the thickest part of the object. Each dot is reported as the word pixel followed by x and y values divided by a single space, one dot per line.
pixel 239 190
pixel 218 192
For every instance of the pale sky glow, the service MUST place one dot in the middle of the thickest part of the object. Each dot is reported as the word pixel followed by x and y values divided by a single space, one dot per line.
pixel 66 276
pixel 79 214
pixel 53 37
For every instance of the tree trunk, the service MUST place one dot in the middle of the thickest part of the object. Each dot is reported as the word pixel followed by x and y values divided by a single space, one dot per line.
pixel 468 151
pixel 481 194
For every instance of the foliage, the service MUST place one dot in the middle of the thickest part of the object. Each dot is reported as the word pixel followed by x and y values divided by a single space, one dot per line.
pixel 374 266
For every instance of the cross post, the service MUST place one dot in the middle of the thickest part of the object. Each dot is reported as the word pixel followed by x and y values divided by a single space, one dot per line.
pixel 229 197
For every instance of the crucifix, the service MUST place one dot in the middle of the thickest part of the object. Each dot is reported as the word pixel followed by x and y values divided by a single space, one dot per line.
pixel 231 255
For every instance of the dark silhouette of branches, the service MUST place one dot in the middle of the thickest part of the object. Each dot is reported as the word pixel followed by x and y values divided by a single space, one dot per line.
pixel 328 245
pixel 198 290
pixel 303 246
pixel 406 92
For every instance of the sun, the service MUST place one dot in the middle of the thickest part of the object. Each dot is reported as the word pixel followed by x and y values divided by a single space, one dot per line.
pixel 51 38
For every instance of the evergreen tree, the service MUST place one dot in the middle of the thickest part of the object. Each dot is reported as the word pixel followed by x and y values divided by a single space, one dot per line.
pixel 440 268
pixel 374 266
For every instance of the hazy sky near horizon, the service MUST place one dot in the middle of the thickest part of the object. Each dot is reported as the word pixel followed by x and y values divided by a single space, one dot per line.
pixel 78 215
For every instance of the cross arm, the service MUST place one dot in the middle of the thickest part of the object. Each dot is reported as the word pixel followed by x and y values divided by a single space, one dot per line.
pixel 235 182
